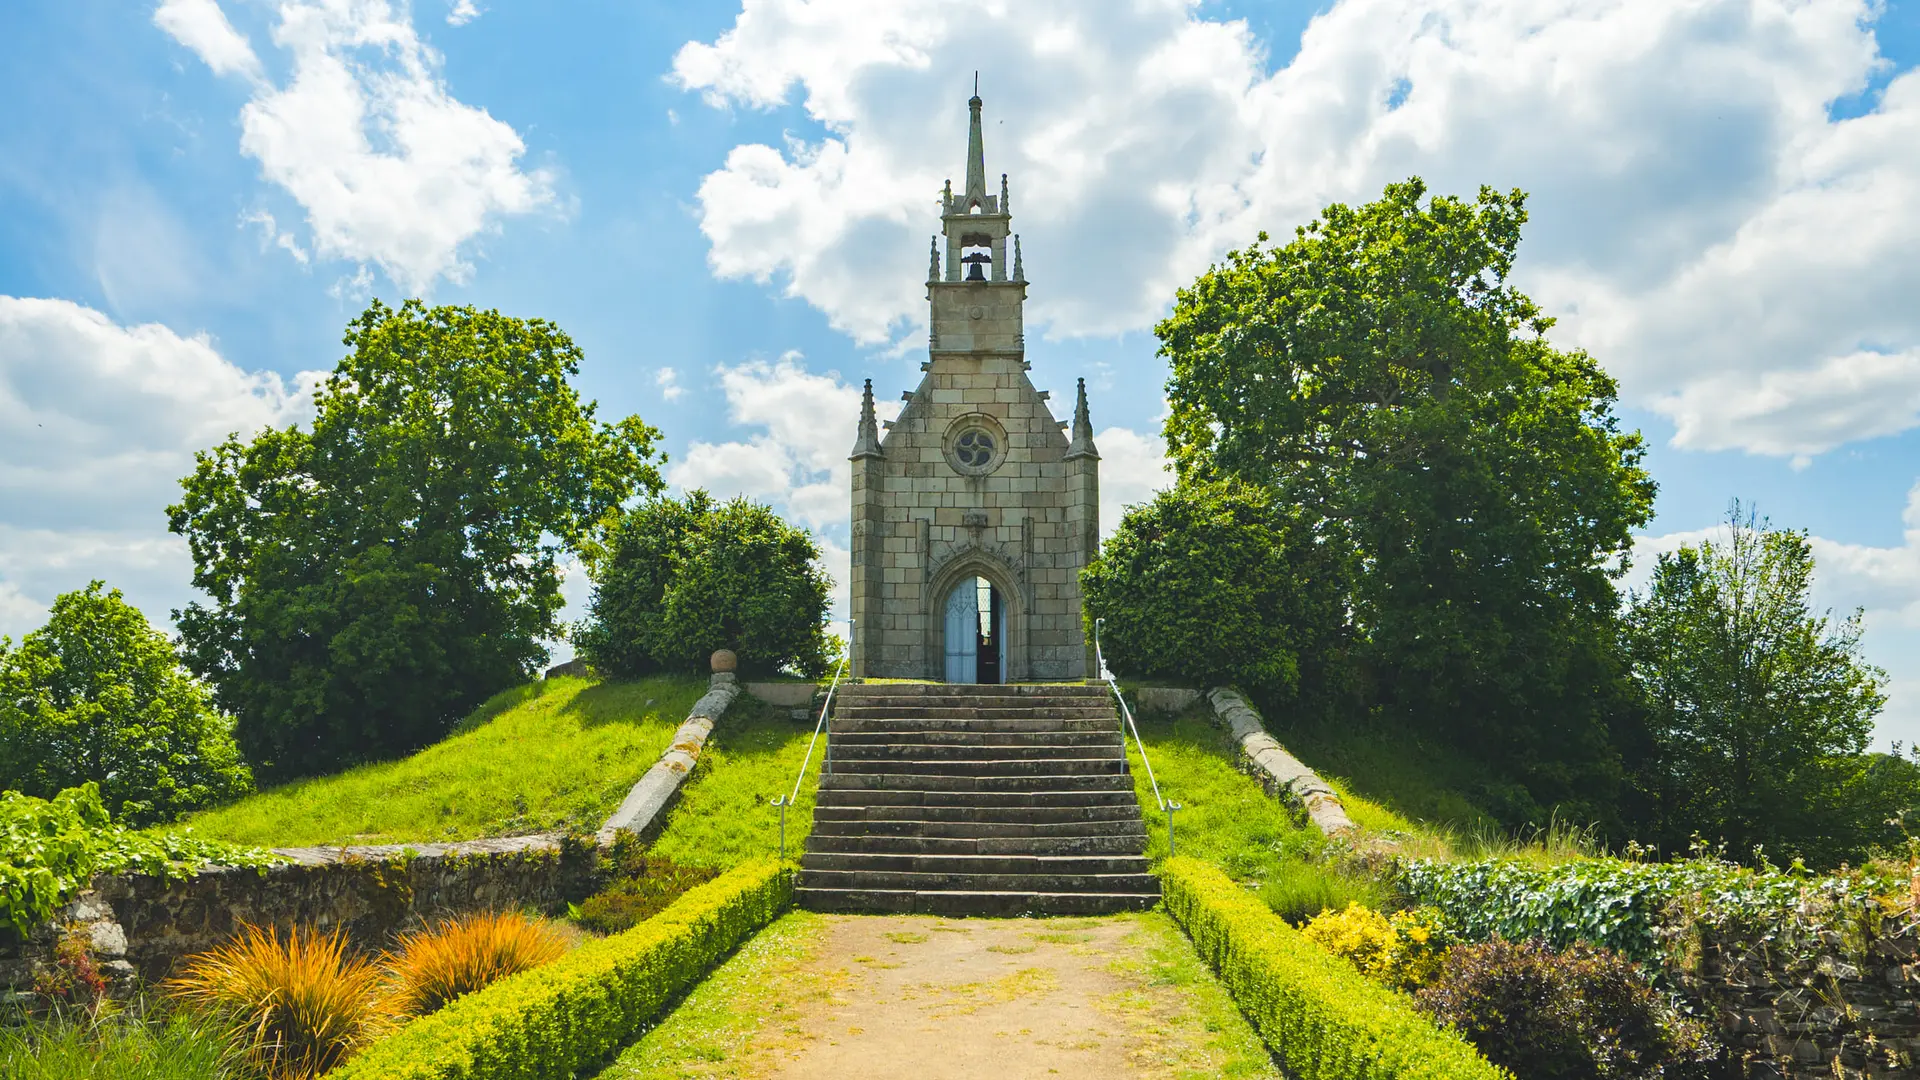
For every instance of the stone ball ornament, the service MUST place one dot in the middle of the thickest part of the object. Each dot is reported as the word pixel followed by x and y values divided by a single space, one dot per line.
pixel 724 661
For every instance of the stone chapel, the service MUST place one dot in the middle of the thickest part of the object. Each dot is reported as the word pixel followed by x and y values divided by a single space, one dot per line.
pixel 974 513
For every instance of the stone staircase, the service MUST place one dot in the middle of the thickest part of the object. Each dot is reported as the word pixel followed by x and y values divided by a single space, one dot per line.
pixel 976 800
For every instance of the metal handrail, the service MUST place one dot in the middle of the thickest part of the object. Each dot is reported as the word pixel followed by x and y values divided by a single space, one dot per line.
pixel 784 801
pixel 1162 803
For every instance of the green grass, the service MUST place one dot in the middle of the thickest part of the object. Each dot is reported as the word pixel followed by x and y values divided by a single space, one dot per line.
pixel 724 816
pixel 764 985
pixel 1229 820
pixel 1230 1044
pixel 117 1047
pixel 561 753
pixel 1397 780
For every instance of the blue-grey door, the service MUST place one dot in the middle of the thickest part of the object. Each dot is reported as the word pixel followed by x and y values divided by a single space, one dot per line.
pixel 963 633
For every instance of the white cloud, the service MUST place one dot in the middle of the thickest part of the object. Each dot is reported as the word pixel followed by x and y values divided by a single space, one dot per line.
pixel 200 25
pixel 462 12
pixel 98 423
pixel 668 380
pixel 1133 467
pixel 1743 262
pixel 271 235
pixel 388 166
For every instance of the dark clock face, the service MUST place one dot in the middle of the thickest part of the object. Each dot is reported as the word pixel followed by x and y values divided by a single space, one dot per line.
pixel 974 448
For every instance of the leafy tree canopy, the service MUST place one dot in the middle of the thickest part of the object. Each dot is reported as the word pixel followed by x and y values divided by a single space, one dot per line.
pixel 1759 709
pixel 676 580
pixel 374 578
pixel 97 696
pixel 1215 583
pixel 1380 374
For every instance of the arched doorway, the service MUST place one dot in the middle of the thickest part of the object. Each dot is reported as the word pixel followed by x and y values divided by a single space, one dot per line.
pixel 975 632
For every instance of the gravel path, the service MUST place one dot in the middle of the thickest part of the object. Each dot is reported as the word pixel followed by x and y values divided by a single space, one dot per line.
pixel 817 997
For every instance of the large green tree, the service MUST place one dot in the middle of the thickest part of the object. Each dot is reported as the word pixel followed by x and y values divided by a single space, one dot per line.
pixel 373 578
pixel 675 580
pixel 1760 710
pixel 98 695
pixel 1380 373
pixel 1215 583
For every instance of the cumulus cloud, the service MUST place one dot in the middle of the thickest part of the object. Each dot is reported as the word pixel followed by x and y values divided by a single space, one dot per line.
pixel 1133 467
pixel 388 166
pixel 1743 261
pixel 668 380
pixel 98 423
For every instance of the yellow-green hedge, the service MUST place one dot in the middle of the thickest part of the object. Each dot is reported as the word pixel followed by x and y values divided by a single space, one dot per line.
pixel 1323 1018
pixel 553 1021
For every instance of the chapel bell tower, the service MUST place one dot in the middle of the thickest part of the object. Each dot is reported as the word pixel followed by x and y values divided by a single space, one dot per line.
pixel 974 514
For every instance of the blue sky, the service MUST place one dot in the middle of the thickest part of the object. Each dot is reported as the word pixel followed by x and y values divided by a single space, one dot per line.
pixel 728 208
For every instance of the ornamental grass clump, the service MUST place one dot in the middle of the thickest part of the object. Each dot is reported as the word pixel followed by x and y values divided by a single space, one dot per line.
pixel 295 1006
pixel 117 1045
pixel 463 954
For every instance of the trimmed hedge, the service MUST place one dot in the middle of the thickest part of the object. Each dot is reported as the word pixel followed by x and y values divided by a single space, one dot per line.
pixel 555 1021
pixel 1324 1019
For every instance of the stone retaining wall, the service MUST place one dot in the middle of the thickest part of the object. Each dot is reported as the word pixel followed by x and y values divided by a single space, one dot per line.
pixel 1836 1012
pixel 141 926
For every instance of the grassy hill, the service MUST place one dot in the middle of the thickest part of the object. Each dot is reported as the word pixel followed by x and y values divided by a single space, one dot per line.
pixel 558 753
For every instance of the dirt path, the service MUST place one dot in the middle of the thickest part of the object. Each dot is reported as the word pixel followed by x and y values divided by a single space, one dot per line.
pixel 817 997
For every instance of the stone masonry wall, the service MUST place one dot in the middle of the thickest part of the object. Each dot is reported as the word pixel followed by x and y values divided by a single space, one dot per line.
pixel 141 925
pixel 1835 1012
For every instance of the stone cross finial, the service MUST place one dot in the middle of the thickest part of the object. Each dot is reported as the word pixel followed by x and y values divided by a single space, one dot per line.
pixel 867 442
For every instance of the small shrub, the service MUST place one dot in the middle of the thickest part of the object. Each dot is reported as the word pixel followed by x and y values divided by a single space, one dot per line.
pixel 74 979
pixel 1582 1014
pixel 297 1006
pixel 648 887
pixel 1404 950
pixel 463 954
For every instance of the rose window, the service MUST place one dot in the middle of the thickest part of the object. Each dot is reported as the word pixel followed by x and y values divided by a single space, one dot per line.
pixel 974 448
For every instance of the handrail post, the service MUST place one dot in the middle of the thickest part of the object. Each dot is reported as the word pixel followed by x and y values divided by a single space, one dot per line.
pixel 1160 801
pixel 820 727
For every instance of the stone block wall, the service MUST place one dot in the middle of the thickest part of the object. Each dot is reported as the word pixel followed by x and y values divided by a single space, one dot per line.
pixel 142 926
pixel 1836 1012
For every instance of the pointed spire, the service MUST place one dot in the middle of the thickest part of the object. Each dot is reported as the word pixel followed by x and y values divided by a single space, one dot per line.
pixel 933 264
pixel 1006 204
pixel 1019 271
pixel 946 198
pixel 867 442
pixel 976 152
pixel 1082 443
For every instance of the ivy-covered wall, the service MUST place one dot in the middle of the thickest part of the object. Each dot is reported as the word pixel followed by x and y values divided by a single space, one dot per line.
pixel 140 925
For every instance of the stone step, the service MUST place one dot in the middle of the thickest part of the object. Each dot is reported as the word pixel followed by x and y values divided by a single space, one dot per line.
pixel 982 768
pixel 899 862
pixel 978 829
pixel 983 815
pixel 926 781
pixel 905 724
pixel 1092 711
pixel 1118 843
pixel 968 737
pixel 923 882
pixel 964 752
pixel 974 691
pixel 974 903
pixel 1039 799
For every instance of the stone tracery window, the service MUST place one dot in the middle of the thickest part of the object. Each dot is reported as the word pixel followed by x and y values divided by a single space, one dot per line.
pixel 974 448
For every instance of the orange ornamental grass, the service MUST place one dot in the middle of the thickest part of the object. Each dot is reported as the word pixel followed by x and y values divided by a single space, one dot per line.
pixel 463 954
pixel 297 1005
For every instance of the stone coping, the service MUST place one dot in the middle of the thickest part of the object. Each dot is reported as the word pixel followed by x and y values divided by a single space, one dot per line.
pixel 1279 772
